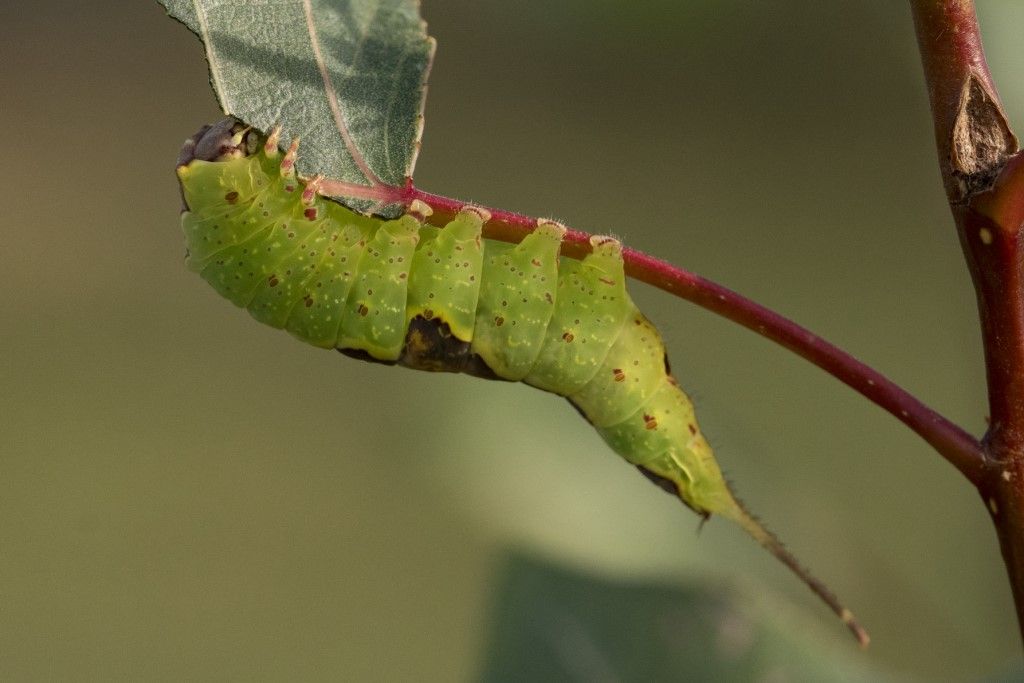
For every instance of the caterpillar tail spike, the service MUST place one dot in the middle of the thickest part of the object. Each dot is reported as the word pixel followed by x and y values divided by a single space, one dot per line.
pixel 772 544
pixel 445 299
pixel 706 492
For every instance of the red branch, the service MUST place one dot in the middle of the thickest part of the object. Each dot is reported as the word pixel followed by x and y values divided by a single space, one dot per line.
pixel 974 141
pixel 983 174
pixel 961 449
pixel 953 443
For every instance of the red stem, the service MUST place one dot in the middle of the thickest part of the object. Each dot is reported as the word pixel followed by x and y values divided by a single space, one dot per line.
pixel 961 449
pixel 958 447
pixel 974 141
pixel 953 58
pixel 983 174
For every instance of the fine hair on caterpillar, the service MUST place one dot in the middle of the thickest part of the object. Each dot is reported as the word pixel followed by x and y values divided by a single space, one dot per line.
pixel 446 299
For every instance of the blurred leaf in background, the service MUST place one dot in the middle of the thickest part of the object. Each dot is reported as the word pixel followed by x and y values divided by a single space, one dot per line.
pixel 187 494
pixel 552 624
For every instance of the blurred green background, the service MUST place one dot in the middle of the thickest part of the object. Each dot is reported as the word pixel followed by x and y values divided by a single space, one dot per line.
pixel 187 494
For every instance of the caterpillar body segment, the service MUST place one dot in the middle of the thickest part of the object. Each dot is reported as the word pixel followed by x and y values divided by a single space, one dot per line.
pixel 591 308
pixel 517 300
pixel 373 319
pixel 446 299
pixel 445 275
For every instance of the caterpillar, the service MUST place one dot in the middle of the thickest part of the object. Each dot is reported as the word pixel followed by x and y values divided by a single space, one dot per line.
pixel 401 292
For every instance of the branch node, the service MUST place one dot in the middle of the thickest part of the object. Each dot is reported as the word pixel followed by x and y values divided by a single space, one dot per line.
pixel 981 139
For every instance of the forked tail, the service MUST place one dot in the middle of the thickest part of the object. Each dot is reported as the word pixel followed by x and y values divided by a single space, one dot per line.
pixel 773 545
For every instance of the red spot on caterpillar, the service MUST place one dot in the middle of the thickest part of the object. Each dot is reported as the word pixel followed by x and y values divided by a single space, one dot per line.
pixel 362 310
pixel 273 281
pixel 308 300
pixel 310 213
pixel 650 422
pixel 535 262
pixel 499 321
pixel 620 376
pixel 289 188
pixel 607 282
pixel 693 429
pixel 567 337
pixel 231 197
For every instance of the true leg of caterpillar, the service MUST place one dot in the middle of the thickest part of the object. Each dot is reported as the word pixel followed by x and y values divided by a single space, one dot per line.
pixel 271 147
pixel 444 299
pixel 288 163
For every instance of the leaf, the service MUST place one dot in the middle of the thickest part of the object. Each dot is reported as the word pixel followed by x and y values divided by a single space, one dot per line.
pixel 555 624
pixel 347 76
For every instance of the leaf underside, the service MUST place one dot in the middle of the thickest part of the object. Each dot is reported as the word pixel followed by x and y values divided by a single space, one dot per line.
pixel 346 76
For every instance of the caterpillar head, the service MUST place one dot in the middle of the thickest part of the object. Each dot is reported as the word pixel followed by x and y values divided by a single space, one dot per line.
pixel 226 139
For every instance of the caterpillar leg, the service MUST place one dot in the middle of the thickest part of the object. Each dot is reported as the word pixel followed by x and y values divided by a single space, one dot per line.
pixel 271 147
pixel 288 163
pixel 445 299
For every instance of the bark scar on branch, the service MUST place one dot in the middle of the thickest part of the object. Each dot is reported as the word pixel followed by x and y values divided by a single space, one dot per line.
pixel 981 139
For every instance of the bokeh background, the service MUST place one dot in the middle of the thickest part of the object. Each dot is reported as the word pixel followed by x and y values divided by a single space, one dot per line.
pixel 187 494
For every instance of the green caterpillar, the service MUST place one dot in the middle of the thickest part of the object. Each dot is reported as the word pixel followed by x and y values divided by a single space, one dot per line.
pixel 446 299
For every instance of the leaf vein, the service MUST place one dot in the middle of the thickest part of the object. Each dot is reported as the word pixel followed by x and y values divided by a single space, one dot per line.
pixel 332 99
pixel 396 82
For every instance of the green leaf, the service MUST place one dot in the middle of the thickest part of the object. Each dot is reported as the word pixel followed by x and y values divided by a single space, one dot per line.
pixel 347 76
pixel 555 624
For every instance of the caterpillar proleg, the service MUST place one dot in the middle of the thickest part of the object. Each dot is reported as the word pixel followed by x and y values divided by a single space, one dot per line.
pixel 445 299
